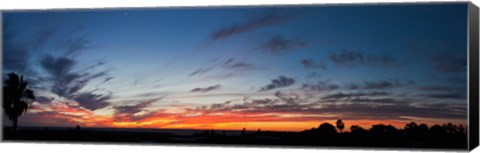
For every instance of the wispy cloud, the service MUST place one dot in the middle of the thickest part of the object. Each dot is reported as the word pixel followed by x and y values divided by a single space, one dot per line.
pixel 75 45
pixel 44 36
pixel 446 95
pixel 42 99
pixel 380 85
pixel 93 101
pixel 311 64
pixel 68 79
pixel 289 99
pixel 58 113
pixel 278 45
pixel 16 54
pixel 238 65
pixel 132 109
pixel 350 58
pixel 231 65
pixel 449 61
pixel 201 71
pixel 58 74
pixel 358 106
pixel 253 23
pixel 321 85
pixel 443 92
pixel 437 88
pixel 341 95
pixel 129 112
pixel 221 76
pixel 327 85
pixel 206 89
pixel 15 57
pixel 386 84
pixel 280 82
pixel 376 101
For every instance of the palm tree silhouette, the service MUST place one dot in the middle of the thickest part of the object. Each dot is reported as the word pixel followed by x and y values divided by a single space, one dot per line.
pixel 340 125
pixel 16 97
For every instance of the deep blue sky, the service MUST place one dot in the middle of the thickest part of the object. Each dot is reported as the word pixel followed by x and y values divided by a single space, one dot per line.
pixel 322 62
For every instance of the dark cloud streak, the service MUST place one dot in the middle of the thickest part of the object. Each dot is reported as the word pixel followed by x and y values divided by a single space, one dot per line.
pixel 324 85
pixel 342 95
pixel 252 24
pixel 449 61
pixel 44 36
pixel 42 99
pixel 386 84
pixel 449 95
pixel 231 65
pixel 351 58
pixel 68 80
pixel 75 45
pixel 279 82
pixel 278 45
pixel 310 64
pixel 441 88
pixel 206 89
pixel 92 101
pixel 127 112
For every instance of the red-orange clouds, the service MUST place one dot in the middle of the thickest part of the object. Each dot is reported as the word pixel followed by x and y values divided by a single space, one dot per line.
pixel 62 114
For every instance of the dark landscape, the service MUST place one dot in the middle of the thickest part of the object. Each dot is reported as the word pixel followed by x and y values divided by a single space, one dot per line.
pixel 447 136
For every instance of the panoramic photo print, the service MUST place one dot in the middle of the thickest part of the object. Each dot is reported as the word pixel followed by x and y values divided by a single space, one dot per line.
pixel 391 76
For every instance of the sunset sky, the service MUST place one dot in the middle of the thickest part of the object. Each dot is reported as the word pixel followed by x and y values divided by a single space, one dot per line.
pixel 274 68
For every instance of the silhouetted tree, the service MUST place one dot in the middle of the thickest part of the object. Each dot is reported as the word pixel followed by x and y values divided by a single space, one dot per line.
pixel 16 97
pixel 327 129
pixel 357 129
pixel 381 129
pixel 340 125
pixel 437 130
pixel 410 126
pixel 450 128
pixel 422 129
pixel 462 129
pixel 414 132
pixel 410 129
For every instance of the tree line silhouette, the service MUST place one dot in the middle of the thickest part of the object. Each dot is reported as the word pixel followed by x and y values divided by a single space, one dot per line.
pixel 413 135
pixel 381 135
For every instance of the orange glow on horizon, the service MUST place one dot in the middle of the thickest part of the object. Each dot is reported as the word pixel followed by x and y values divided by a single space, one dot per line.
pixel 255 125
pixel 61 114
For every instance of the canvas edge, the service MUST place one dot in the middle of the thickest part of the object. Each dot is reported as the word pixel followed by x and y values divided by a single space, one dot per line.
pixel 473 56
pixel 240 6
pixel 1 76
